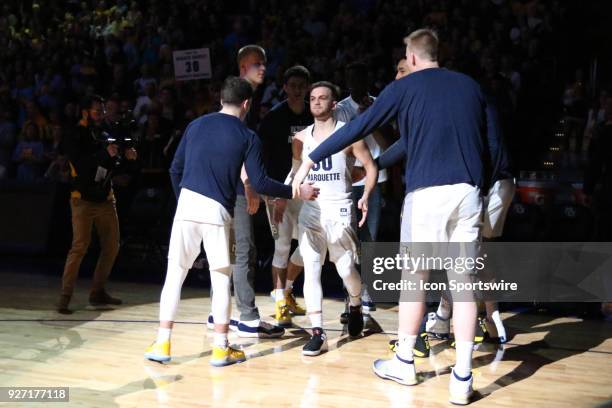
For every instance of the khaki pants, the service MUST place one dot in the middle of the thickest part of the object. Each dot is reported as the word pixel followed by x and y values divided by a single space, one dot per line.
pixel 85 215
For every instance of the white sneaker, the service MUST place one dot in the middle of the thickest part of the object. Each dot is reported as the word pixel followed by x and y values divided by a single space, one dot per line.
pixel 437 326
pixel 396 369
pixel 259 329
pixel 460 389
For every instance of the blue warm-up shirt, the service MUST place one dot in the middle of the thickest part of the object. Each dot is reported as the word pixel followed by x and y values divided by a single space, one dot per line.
pixel 441 116
pixel 499 165
pixel 210 155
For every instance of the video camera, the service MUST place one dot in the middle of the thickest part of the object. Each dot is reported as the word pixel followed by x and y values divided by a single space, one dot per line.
pixel 121 133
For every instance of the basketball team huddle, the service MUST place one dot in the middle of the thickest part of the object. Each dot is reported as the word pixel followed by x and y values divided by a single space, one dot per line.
pixel 318 163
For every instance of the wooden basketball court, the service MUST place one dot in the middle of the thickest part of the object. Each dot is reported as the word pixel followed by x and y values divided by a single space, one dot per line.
pixel 549 361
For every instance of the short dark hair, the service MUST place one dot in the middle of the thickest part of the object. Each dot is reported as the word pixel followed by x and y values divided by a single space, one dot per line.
pixel 250 49
pixel 235 90
pixel 423 42
pixel 326 84
pixel 296 71
pixel 88 101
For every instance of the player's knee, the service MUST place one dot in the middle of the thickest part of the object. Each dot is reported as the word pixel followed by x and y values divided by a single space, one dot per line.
pixel 281 254
pixel 345 265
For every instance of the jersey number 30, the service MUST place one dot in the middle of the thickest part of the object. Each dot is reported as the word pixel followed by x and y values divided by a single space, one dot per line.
pixel 326 163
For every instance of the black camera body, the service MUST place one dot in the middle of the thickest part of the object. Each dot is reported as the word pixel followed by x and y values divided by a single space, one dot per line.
pixel 121 133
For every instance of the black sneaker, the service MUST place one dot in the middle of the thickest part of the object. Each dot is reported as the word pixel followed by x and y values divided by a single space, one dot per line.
pixel 344 316
pixel 103 298
pixel 62 305
pixel 317 343
pixel 481 335
pixel 421 347
pixel 355 321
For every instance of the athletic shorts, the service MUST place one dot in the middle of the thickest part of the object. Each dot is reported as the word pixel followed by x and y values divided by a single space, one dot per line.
pixel 289 226
pixel 448 213
pixel 496 205
pixel 327 228
pixel 199 219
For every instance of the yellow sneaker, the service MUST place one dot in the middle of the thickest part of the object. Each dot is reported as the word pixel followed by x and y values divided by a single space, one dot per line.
pixel 282 315
pixel 159 352
pixel 293 305
pixel 226 356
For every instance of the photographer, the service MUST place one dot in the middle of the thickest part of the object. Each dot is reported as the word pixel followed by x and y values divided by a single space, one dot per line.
pixel 93 155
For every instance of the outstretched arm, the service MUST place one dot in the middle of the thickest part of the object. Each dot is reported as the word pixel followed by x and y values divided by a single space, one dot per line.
pixel 265 185
pixel 382 111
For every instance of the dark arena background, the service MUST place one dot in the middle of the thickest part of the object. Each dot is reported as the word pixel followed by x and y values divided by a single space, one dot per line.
pixel 159 65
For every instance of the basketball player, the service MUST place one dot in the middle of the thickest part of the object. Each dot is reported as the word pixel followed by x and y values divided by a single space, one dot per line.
pixel 277 130
pixel 441 119
pixel 204 172
pixel 252 66
pixel 327 224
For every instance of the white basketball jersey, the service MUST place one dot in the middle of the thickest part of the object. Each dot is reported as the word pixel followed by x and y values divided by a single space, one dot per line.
pixel 333 174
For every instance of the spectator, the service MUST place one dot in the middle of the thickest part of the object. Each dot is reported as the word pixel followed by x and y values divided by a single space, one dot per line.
pixel 29 155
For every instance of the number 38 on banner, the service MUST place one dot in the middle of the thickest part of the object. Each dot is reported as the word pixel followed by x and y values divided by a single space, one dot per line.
pixel 192 64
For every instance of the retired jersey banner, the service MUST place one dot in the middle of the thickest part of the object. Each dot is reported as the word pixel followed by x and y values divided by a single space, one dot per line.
pixel 192 64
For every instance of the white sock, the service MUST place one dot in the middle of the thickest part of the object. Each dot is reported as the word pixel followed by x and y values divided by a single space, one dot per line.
pixel 163 334
pixel 279 294
pixel 316 319
pixel 463 365
pixel 220 340
pixel 405 345
pixel 288 285
pixel 444 310
pixel 499 325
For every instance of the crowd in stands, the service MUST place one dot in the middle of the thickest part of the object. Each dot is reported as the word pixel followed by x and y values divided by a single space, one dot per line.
pixel 53 53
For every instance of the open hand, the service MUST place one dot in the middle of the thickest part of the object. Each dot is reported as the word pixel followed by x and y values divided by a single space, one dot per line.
pixel 252 199
pixel 362 204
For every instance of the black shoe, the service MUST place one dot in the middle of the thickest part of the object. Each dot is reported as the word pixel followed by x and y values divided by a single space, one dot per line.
pixel 355 321
pixel 421 347
pixel 317 343
pixel 62 305
pixel 344 318
pixel 481 334
pixel 102 298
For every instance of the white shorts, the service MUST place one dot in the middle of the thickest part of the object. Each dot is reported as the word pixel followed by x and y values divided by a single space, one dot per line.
pixel 449 213
pixel 496 205
pixel 288 229
pixel 320 231
pixel 185 244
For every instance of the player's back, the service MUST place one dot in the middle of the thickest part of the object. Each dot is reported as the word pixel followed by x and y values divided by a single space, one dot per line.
pixel 442 124
pixel 214 151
